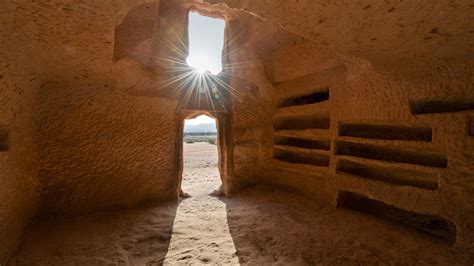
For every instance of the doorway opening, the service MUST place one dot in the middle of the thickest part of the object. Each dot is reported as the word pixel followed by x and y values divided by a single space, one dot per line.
pixel 200 156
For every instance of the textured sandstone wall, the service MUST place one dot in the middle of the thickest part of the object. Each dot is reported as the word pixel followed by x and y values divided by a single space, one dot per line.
pixel 109 129
pixel 425 167
pixel 97 128
pixel 18 154
pixel 20 77
pixel 102 147
pixel 252 94
pixel 42 41
pixel 250 117
pixel 385 32
pixel 91 116
pixel 374 98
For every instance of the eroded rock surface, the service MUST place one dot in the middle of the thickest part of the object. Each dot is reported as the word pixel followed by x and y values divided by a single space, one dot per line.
pixel 93 94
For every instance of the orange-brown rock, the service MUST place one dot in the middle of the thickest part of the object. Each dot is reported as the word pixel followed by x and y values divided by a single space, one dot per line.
pixel 366 105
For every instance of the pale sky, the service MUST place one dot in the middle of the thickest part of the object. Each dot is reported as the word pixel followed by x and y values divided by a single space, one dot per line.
pixel 202 119
pixel 206 40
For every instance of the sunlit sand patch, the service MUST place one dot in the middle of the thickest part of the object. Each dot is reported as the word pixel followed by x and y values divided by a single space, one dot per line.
pixel 201 234
pixel 200 230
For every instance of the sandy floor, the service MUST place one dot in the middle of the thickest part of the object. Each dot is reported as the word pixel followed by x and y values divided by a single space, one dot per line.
pixel 258 227
pixel 200 230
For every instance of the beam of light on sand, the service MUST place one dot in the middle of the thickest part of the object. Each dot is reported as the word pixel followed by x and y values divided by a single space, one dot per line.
pixel 200 231
pixel 201 237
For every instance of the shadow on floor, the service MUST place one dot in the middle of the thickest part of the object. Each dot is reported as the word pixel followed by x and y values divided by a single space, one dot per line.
pixel 136 236
pixel 265 226
pixel 269 227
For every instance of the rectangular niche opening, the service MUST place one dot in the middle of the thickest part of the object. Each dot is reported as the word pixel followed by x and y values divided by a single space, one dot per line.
pixel 4 143
pixel 388 132
pixel 302 122
pixel 303 143
pixel 391 154
pixel 392 175
pixel 315 97
pixel 442 106
pixel 301 157
pixel 438 227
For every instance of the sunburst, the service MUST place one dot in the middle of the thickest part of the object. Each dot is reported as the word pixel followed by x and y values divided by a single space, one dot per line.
pixel 187 81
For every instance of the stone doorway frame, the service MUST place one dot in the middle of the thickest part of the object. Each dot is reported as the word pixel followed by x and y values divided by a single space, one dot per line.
pixel 224 163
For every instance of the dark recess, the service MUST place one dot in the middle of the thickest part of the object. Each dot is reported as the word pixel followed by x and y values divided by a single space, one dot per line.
pixel 391 154
pixel 301 158
pixel 442 106
pixel 302 122
pixel 4 138
pixel 471 126
pixel 389 132
pixel 396 176
pixel 303 143
pixel 430 224
pixel 314 97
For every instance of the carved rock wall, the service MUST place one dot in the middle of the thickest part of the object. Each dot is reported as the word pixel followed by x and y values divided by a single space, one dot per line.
pixel 397 136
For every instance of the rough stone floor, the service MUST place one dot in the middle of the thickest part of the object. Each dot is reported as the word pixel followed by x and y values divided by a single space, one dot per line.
pixel 258 226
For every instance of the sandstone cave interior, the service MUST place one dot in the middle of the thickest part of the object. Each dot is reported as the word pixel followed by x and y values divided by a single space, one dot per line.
pixel 338 132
